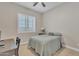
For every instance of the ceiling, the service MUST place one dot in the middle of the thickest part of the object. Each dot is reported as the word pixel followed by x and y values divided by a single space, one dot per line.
pixel 39 7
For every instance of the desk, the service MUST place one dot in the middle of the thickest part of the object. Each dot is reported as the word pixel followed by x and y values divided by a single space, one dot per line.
pixel 9 46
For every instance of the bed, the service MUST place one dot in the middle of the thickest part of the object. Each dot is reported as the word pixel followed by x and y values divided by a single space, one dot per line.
pixel 45 45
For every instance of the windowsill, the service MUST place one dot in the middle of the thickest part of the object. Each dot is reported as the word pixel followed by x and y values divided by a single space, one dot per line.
pixel 25 32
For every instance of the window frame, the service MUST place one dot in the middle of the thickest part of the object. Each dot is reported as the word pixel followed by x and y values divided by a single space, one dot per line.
pixel 25 23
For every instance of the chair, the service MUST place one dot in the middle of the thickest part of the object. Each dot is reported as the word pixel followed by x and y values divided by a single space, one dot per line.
pixel 18 44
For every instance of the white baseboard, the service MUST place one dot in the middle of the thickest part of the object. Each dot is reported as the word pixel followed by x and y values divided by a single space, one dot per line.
pixel 75 49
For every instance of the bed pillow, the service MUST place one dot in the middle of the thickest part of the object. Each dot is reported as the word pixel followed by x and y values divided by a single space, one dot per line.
pixel 51 33
pixel 54 34
pixel 57 34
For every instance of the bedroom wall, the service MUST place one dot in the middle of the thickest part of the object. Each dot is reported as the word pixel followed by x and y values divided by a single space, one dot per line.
pixel 64 19
pixel 8 21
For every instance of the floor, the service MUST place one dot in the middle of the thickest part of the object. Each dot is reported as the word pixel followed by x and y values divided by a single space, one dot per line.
pixel 24 51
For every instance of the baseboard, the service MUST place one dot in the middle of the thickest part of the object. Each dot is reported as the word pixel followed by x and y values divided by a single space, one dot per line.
pixel 75 49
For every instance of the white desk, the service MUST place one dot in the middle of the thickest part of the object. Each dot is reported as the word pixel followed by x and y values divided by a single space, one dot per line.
pixel 9 46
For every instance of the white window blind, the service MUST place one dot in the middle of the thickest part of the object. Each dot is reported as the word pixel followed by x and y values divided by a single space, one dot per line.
pixel 26 23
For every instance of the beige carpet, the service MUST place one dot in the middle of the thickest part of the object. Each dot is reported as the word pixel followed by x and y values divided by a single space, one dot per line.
pixel 24 51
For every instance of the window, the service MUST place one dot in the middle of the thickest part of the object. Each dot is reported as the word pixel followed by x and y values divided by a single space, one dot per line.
pixel 26 23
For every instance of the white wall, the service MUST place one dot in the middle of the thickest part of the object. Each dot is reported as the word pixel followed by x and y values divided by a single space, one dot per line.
pixel 64 19
pixel 8 20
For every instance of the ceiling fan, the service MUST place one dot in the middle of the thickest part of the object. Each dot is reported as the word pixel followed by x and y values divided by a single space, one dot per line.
pixel 42 3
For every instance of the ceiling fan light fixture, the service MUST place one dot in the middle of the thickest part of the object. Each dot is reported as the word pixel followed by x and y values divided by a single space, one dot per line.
pixel 35 3
pixel 42 3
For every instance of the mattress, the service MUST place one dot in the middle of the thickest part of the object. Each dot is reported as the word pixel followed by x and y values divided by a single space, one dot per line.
pixel 45 45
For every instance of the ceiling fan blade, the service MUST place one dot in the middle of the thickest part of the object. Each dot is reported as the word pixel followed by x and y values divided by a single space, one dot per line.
pixel 35 3
pixel 43 4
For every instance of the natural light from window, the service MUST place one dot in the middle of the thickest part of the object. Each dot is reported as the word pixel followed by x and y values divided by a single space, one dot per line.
pixel 26 23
